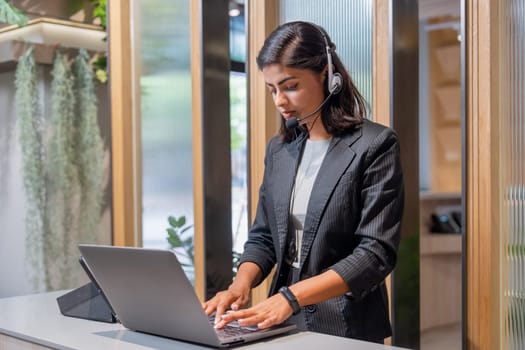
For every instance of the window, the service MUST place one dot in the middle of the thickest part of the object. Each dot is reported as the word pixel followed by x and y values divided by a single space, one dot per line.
pixel 162 35
pixel 238 123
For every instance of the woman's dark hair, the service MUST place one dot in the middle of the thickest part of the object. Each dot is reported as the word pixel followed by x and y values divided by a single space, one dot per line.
pixel 301 45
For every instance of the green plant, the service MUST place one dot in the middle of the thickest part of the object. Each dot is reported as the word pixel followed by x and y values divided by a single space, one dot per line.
pixel 31 131
pixel 101 63
pixel 60 240
pixel 63 166
pixel 89 150
pixel 100 66
pixel 181 242
pixel 99 11
pixel 11 15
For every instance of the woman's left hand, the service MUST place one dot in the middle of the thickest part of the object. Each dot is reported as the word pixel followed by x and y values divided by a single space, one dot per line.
pixel 270 312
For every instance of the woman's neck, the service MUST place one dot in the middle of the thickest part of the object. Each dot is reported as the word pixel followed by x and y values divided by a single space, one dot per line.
pixel 316 129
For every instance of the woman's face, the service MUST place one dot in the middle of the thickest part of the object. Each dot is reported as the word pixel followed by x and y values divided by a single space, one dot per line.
pixel 295 92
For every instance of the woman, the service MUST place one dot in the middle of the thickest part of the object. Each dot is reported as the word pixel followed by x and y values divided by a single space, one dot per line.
pixel 330 204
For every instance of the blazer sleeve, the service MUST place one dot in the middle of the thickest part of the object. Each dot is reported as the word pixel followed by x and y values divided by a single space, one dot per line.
pixel 378 231
pixel 259 248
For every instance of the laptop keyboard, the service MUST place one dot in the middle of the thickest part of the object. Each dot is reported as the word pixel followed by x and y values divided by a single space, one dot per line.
pixel 233 329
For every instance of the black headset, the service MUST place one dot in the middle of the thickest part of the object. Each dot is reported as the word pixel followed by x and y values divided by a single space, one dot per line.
pixel 335 80
pixel 335 84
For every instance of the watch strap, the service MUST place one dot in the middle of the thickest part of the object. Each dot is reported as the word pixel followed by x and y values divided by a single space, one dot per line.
pixel 291 299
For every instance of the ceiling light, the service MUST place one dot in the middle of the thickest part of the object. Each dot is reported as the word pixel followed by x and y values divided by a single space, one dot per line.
pixel 234 12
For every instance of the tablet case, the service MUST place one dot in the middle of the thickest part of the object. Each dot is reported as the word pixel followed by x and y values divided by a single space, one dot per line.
pixel 87 302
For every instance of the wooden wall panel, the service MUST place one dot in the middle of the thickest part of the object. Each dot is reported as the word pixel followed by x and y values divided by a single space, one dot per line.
pixel 263 118
pixel 197 149
pixel 125 130
pixel 381 63
pixel 482 243
pixel 381 83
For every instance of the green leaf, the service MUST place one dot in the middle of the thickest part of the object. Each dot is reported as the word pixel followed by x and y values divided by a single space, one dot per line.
pixel 188 242
pixel 101 62
pixel 173 222
pixel 174 242
pixel 185 229
pixel 99 11
pixel 182 221
pixel 173 238
pixel 171 232
pixel 11 15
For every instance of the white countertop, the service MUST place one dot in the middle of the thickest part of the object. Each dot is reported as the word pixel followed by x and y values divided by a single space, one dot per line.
pixel 36 318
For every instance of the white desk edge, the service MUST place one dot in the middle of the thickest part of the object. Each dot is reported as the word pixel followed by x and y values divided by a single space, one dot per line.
pixel 37 319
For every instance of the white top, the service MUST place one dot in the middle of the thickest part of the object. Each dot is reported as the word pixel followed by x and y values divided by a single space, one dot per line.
pixel 313 155
pixel 37 319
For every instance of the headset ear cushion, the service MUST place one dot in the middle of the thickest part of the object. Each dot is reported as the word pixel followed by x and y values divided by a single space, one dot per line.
pixel 336 84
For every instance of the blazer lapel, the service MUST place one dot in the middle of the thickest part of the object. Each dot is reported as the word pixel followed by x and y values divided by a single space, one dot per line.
pixel 285 161
pixel 337 159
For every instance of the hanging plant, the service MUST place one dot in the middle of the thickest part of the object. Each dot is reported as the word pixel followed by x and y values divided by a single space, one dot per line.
pixel 30 130
pixel 60 242
pixel 11 15
pixel 89 150
pixel 101 62
pixel 65 181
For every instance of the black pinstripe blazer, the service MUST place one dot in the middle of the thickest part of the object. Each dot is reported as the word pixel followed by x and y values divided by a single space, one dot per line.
pixel 352 226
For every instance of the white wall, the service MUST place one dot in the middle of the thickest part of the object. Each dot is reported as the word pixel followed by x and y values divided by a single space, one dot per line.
pixel 13 279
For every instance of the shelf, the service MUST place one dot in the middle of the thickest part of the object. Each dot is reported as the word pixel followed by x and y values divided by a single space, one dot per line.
pixel 45 34
pixel 429 195
pixel 440 243
pixel 48 31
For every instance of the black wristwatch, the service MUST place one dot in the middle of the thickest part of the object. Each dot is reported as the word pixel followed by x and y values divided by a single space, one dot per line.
pixel 291 299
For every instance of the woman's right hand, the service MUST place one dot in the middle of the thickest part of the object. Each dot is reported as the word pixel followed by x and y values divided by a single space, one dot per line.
pixel 235 297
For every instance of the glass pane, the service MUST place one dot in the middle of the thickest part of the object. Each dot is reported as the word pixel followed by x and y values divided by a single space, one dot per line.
pixel 162 34
pixel 238 35
pixel 238 127
pixel 440 166
pixel 239 160
pixel 512 179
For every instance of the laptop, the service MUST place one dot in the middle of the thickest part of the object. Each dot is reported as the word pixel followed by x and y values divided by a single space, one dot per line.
pixel 150 293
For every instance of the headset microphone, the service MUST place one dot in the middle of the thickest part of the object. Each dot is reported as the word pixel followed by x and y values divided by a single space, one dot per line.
pixel 335 83
pixel 293 122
